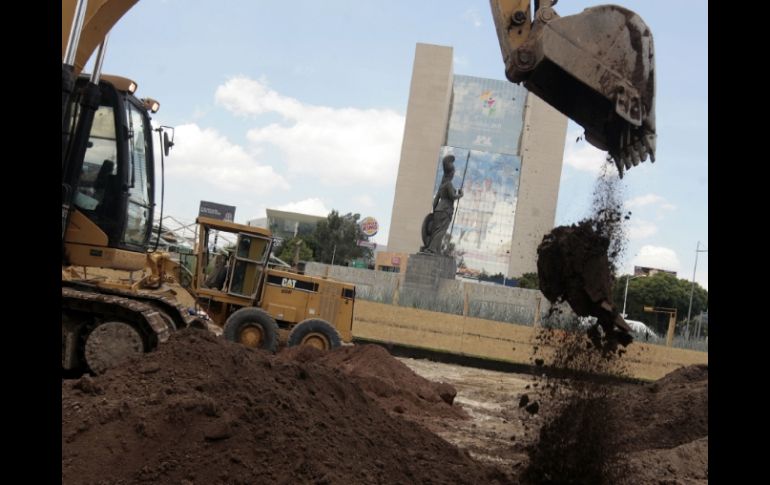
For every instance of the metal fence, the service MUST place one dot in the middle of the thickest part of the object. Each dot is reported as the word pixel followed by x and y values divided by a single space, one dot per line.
pixel 491 302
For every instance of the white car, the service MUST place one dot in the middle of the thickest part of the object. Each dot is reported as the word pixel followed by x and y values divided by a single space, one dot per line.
pixel 636 326
pixel 642 328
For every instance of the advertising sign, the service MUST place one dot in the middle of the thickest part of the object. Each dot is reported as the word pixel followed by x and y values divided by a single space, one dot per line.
pixel 369 226
pixel 216 211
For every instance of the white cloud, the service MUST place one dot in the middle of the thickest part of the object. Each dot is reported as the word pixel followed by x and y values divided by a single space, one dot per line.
pixel 203 154
pixel 365 201
pixel 657 257
pixel 643 200
pixel 472 14
pixel 583 156
pixel 650 199
pixel 641 229
pixel 248 97
pixel 313 206
pixel 337 146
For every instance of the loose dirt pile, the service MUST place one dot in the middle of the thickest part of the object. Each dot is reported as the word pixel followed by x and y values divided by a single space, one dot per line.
pixel 203 410
pixel 386 380
pixel 595 432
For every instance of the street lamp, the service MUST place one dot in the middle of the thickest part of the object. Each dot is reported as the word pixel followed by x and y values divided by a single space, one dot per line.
pixel 625 295
pixel 692 288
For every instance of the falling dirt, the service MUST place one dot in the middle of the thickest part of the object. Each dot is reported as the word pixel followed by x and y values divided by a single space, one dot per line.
pixel 577 264
pixel 203 410
pixel 596 431
pixel 589 429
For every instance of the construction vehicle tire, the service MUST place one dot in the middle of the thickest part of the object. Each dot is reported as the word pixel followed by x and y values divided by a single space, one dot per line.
pixel 252 327
pixel 315 333
pixel 111 344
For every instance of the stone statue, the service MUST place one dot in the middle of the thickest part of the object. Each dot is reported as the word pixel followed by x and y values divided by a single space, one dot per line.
pixel 435 225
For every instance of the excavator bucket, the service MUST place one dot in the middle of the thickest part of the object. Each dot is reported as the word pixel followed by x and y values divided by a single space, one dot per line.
pixel 596 67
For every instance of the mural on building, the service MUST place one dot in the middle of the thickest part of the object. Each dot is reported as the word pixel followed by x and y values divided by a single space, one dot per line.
pixel 485 126
pixel 486 115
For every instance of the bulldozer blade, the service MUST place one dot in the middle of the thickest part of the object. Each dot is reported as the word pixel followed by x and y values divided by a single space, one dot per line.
pixel 597 68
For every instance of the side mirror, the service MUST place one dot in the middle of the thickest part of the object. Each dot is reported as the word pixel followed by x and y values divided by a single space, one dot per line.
pixel 167 144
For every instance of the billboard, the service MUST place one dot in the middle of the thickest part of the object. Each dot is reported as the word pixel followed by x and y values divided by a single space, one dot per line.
pixel 217 211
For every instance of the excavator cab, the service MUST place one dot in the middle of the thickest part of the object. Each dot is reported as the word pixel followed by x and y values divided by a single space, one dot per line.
pixel 596 67
pixel 113 190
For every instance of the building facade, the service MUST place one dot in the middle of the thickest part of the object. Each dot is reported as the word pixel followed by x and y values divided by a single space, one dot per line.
pixel 647 271
pixel 508 147
pixel 286 225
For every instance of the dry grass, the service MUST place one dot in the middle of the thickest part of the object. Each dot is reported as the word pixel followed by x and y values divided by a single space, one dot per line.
pixel 493 340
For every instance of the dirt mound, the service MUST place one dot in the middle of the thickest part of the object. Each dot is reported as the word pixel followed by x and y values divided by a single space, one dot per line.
pixel 685 464
pixel 385 379
pixel 664 414
pixel 624 433
pixel 203 410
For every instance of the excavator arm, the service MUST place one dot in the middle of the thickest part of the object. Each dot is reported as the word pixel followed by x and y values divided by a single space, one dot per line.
pixel 99 17
pixel 596 67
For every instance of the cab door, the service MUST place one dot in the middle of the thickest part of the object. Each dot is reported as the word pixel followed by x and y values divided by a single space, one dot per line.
pixel 248 265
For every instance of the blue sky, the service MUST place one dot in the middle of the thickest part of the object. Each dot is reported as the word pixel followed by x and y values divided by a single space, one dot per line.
pixel 300 106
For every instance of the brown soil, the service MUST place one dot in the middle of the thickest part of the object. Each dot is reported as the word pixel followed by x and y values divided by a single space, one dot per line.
pixel 669 412
pixel 389 382
pixel 572 265
pixel 203 410
pixel 600 433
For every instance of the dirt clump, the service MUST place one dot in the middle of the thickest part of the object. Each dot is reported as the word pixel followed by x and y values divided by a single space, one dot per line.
pixel 388 381
pixel 203 410
pixel 576 264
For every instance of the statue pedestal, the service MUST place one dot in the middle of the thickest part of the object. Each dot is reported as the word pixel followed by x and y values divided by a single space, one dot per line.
pixel 424 271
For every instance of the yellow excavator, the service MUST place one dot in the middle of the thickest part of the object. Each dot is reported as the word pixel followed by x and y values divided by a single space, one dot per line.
pixel 108 201
pixel 596 67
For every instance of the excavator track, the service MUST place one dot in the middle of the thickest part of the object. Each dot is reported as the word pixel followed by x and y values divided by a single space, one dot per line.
pixel 105 327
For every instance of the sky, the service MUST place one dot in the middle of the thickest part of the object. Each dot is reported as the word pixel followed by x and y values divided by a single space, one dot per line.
pixel 300 106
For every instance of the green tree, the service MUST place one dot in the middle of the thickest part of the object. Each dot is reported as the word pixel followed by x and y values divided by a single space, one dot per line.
pixel 287 250
pixel 661 290
pixel 337 237
pixel 529 280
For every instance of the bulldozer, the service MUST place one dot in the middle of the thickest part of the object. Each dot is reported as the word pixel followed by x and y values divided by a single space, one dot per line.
pixel 262 306
pixel 596 67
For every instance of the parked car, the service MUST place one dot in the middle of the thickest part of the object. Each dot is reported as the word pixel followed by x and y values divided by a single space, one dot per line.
pixel 636 326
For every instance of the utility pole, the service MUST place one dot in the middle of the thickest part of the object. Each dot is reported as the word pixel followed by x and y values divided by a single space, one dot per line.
pixel 625 295
pixel 692 288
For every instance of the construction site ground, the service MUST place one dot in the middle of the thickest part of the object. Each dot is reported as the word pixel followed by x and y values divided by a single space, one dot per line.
pixel 496 431
pixel 203 410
